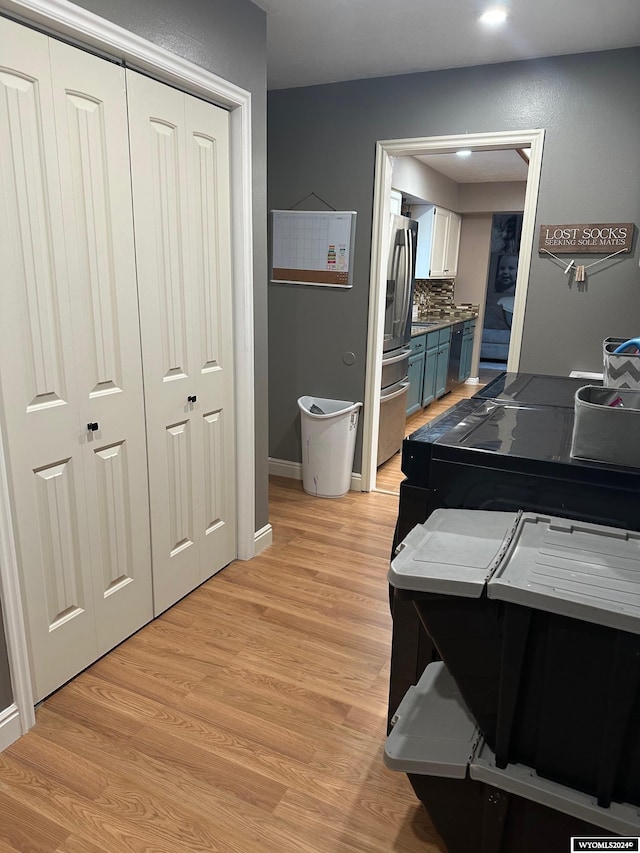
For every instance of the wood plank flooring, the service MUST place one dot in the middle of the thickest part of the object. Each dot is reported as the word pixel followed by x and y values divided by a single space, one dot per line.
pixel 249 717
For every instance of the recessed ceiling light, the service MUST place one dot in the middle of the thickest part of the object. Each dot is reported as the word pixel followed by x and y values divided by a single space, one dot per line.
pixel 494 16
pixel 465 152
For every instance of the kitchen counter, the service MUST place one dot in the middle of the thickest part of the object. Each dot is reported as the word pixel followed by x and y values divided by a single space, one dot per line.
pixel 434 322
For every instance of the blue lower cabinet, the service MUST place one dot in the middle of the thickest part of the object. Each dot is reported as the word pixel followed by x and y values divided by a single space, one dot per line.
pixel 414 395
pixel 465 354
pixel 429 380
pixel 467 349
pixel 442 366
pixel 429 364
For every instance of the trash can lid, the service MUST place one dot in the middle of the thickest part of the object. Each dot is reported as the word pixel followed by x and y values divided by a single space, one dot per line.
pixel 453 553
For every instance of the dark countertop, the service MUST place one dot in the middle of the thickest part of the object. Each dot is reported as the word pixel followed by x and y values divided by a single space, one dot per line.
pixel 434 323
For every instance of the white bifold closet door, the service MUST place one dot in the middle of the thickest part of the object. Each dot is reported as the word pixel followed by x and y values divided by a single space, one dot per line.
pixel 180 172
pixel 70 364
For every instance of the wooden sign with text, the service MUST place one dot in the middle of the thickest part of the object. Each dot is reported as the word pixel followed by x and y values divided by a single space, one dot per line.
pixel 599 239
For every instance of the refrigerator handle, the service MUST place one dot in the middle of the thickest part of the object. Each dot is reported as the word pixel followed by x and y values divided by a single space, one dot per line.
pixel 408 278
pixel 393 269
pixel 399 313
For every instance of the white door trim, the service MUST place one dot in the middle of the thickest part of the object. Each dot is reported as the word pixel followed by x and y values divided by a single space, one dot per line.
pixel 12 607
pixel 385 151
pixel 58 17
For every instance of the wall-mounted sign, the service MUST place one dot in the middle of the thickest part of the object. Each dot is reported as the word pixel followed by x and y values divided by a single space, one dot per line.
pixel 313 247
pixel 598 239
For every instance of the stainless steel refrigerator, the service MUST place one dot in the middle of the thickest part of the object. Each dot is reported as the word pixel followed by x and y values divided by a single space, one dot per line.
pixel 401 267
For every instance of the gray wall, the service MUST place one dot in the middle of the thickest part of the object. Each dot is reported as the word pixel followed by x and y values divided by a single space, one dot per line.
pixel 228 38
pixel 322 139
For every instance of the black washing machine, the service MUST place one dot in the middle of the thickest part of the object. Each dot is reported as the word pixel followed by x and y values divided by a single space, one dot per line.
pixel 507 451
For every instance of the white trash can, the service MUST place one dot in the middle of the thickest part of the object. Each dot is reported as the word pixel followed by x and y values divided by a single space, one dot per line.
pixel 329 430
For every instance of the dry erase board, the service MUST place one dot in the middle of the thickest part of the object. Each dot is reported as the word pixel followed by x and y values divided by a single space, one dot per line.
pixel 313 247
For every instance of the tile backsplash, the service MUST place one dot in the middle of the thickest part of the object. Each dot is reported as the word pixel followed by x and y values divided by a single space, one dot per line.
pixel 432 294
pixel 433 299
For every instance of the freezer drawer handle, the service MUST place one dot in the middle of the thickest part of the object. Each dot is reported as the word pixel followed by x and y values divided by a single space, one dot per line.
pixel 393 394
pixel 405 352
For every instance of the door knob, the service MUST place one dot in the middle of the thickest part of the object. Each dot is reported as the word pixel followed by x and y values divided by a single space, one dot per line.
pixel 92 427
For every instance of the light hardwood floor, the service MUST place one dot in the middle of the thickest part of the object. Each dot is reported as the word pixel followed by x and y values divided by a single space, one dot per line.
pixel 249 717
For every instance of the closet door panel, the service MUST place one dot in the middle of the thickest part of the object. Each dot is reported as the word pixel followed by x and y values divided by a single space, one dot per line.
pixel 180 172
pixel 37 372
pixel 207 133
pixel 167 321
pixel 91 120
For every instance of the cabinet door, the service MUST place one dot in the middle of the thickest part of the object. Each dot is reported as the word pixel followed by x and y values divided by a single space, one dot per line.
pixel 423 214
pixel 453 244
pixel 416 372
pixel 470 338
pixel 180 176
pixel 439 242
pixel 442 367
pixel 465 354
pixel 429 381
pixel 462 371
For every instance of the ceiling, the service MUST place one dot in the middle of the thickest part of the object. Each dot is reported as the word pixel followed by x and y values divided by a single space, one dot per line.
pixel 480 166
pixel 326 41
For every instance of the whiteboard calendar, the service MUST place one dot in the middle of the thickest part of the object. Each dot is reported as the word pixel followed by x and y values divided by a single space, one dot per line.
pixel 313 247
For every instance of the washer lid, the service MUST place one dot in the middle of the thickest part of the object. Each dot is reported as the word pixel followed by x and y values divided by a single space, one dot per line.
pixel 434 733
pixel 452 553
pixel 572 568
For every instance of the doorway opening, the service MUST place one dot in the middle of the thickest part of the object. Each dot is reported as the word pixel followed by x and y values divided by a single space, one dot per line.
pixel 386 151
pixel 506 232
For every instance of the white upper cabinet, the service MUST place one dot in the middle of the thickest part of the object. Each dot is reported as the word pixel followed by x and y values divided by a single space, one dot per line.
pixel 438 241
pixel 452 244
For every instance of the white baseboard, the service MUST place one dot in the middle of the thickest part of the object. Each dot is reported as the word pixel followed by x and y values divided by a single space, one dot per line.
pixel 293 471
pixel 263 538
pixel 284 468
pixel 10 728
pixel 356 482
pixel 472 380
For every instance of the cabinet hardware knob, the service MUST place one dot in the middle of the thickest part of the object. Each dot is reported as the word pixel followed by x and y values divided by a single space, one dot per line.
pixel 92 427
pixel 192 398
